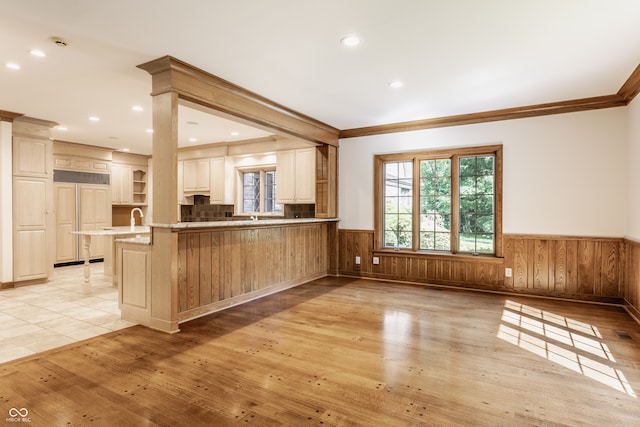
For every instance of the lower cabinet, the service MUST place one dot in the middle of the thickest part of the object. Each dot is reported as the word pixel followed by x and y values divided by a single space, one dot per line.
pixel 133 269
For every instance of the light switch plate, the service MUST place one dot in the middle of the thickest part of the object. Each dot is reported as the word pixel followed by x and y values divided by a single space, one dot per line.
pixel 376 260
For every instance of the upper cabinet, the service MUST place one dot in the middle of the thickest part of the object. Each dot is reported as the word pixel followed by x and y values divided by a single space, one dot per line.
pixel 121 184
pixel 217 182
pixel 129 180
pixel 296 176
pixel 31 157
pixel 196 176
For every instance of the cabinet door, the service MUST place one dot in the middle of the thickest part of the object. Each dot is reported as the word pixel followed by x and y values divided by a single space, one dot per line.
pixel 32 157
pixel 65 208
pixel 286 177
pixel 305 176
pixel 181 200
pixel 94 215
pixel 196 175
pixel 121 184
pixel 217 181
pixel 31 259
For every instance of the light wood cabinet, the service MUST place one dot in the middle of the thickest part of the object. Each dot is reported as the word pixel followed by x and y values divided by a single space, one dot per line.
pixel 65 207
pixel 31 212
pixel 80 207
pixel 181 199
pixel 217 183
pixel 129 180
pixel 31 157
pixel 33 226
pixel 139 180
pixel 296 176
pixel 121 184
pixel 196 176
pixel 94 214
pixel 133 269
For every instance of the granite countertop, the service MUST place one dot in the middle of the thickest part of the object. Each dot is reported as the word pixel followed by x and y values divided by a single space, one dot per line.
pixel 140 240
pixel 243 223
pixel 115 231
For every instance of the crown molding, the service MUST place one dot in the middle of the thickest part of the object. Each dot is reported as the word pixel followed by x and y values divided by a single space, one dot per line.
pixel 625 95
pixel 8 116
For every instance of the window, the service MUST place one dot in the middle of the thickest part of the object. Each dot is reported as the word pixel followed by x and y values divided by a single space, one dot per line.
pixel 447 201
pixel 259 192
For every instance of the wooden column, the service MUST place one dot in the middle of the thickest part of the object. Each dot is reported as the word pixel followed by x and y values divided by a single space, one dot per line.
pixel 164 249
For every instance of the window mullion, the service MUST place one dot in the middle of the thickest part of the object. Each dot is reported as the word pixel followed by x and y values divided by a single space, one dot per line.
pixel 455 203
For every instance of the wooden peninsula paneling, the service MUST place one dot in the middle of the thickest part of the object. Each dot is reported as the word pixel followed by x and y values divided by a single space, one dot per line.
pixel 221 267
pixel 580 268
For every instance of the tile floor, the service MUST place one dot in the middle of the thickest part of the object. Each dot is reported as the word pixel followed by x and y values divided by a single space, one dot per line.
pixel 36 318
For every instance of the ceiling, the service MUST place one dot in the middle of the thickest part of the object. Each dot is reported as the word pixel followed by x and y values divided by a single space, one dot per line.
pixel 453 57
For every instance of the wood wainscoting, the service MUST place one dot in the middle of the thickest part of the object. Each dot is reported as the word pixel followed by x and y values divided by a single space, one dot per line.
pixel 579 268
pixel 219 268
pixel 631 288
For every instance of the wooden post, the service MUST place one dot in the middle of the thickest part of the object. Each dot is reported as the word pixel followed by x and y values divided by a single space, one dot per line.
pixel 164 249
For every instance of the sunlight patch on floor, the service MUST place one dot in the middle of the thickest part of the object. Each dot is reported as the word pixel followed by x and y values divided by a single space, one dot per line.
pixel 570 343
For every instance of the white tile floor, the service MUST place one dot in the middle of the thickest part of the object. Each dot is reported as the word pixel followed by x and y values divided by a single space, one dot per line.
pixel 36 318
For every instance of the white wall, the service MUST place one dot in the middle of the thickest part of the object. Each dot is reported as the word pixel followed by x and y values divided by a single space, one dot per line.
pixel 633 213
pixel 563 174
pixel 6 195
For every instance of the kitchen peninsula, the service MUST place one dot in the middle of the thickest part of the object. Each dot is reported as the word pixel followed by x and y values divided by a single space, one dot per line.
pixel 107 232
pixel 220 264
pixel 189 270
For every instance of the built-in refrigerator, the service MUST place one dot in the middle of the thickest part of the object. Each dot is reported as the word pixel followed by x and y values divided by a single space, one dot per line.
pixel 82 201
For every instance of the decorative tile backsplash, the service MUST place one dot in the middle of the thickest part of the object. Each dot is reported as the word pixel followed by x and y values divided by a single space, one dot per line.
pixel 202 211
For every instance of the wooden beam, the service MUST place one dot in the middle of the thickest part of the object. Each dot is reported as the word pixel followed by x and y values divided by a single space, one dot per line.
pixel 584 104
pixel 198 86
pixel 631 87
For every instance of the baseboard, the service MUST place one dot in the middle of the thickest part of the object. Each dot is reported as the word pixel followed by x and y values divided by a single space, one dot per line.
pixel 195 313
pixel 486 291
pixel 633 311
pixel 7 285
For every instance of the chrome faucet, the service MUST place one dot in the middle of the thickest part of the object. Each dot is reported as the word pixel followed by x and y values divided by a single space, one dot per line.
pixel 133 220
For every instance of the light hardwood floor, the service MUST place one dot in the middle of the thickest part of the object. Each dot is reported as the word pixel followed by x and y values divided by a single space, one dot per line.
pixel 346 352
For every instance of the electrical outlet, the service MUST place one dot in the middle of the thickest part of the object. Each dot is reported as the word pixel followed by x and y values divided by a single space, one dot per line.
pixel 376 260
pixel 357 260
pixel 508 272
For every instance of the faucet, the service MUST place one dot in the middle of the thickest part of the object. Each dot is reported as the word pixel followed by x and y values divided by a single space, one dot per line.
pixel 133 220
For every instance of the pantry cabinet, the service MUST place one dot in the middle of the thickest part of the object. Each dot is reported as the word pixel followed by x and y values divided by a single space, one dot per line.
pixel 32 205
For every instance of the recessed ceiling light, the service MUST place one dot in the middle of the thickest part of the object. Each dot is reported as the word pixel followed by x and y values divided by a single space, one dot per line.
pixel 137 108
pixel 126 150
pixel 396 84
pixel 235 133
pixel 94 118
pixel 12 66
pixel 149 130
pixel 38 53
pixel 62 128
pixel 193 140
pixel 350 41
